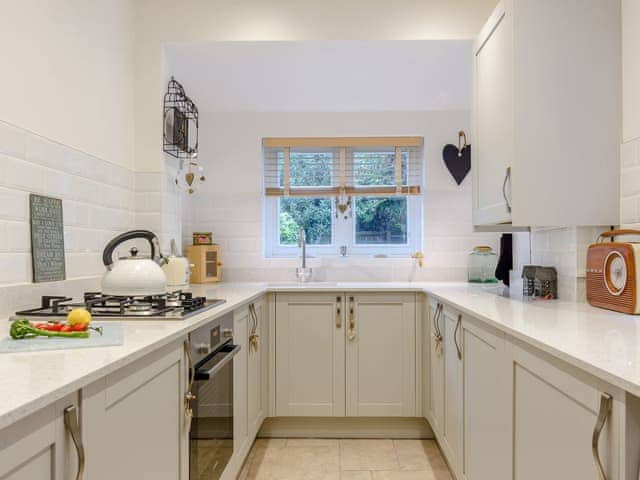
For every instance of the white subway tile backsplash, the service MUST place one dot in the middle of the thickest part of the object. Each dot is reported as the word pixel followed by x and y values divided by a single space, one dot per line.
pixel 629 154
pixel 630 182
pixel 23 175
pixel 98 203
pixel 13 204
pixel 18 236
pixel 12 140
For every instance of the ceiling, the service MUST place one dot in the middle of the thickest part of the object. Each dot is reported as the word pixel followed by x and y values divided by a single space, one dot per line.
pixel 310 76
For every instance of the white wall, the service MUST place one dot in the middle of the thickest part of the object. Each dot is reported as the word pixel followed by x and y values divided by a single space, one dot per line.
pixel 230 203
pixel 66 130
pixel 159 22
pixel 68 73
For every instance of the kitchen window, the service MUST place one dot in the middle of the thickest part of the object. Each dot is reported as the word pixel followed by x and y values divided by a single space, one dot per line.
pixel 360 194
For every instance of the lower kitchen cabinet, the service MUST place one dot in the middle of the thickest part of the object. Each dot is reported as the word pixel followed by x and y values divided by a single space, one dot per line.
pixel 511 411
pixel 435 339
pixel 452 429
pixel 381 355
pixel 240 381
pixel 487 403
pixel 40 446
pixel 257 366
pixel 347 354
pixel 555 412
pixel 310 352
pixel 132 419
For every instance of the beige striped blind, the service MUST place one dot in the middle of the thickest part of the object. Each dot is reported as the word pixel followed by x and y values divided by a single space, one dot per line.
pixel 331 166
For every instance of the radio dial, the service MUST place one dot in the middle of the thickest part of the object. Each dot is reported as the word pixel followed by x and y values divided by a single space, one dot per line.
pixel 615 269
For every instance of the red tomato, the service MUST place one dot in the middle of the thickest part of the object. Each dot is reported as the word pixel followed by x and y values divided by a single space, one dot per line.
pixel 65 328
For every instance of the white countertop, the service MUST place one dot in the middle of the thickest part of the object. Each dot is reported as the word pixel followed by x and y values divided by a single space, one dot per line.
pixel 603 343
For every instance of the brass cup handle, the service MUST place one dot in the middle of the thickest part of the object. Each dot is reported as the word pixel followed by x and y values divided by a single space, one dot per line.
pixel 73 427
pixel 606 404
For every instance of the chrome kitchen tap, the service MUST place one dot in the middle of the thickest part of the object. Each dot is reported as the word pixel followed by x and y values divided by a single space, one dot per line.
pixel 303 273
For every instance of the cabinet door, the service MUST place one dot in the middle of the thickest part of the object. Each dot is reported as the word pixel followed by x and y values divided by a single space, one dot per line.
pixel 310 355
pixel 436 367
pixel 381 330
pixel 39 447
pixel 555 412
pixel 132 419
pixel 487 404
pixel 493 118
pixel 453 411
pixel 631 69
pixel 257 349
pixel 241 320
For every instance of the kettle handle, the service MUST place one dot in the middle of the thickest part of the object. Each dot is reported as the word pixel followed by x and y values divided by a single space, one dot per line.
pixel 107 255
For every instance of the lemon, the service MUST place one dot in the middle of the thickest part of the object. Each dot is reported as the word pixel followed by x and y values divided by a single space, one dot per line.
pixel 78 316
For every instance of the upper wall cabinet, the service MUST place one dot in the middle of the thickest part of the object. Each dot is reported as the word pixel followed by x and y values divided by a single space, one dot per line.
pixel 630 69
pixel 547 114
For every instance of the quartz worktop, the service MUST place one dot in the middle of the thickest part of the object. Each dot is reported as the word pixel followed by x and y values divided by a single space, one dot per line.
pixel 605 344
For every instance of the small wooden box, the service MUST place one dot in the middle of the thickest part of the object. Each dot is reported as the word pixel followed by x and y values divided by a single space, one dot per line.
pixel 206 263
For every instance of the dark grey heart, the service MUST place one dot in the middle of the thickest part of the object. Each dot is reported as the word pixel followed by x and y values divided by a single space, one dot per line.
pixel 458 165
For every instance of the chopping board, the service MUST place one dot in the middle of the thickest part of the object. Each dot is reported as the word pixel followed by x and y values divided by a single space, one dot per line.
pixel 112 335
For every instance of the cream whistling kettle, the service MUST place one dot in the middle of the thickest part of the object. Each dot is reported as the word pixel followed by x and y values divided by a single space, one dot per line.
pixel 136 275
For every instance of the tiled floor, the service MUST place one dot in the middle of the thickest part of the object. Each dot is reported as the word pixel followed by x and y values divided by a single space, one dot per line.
pixel 331 459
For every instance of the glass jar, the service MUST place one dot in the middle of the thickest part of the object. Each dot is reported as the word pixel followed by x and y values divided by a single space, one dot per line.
pixel 482 265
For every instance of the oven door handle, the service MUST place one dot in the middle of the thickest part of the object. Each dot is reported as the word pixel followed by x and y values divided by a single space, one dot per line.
pixel 229 351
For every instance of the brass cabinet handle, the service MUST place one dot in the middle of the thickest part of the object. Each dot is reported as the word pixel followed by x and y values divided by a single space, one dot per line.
pixel 606 404
pixel 188 396
pixel 455 336
pixel 436 318
pixel 338 312
pixel 352 321
pixel 73 427
pixel 507 177
pixel 253 334
pixel 437 334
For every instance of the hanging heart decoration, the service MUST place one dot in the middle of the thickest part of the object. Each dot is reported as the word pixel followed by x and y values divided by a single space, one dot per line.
pixel 458 159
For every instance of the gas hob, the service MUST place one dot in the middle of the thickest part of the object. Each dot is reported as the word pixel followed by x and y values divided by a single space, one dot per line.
pixel 170 306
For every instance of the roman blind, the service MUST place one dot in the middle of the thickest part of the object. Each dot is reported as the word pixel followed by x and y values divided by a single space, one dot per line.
pixel 332 166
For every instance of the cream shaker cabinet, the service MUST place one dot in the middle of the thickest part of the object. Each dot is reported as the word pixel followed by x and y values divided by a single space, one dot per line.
pixel 381 355
pixel 257 353
pixel 41 447
pixel 555 414
pixel 310 355
pixel 241 441
pixel 452 428
pixel 345 354
pixel 487 423
pixel 133 419
pixel 514 412
pixel 547 105
pixel 630 70
pixel 435 340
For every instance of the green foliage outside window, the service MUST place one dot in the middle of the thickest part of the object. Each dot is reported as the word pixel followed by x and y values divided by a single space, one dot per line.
pixel 378 220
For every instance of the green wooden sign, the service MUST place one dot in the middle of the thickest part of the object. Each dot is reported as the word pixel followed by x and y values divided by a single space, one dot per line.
pixel 47 239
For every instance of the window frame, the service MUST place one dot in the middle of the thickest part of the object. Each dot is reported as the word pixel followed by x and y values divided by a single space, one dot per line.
pixel 343 232
pixel 342 229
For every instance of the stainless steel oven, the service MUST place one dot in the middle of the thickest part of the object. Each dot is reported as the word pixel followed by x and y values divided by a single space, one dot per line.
pixel 210 398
